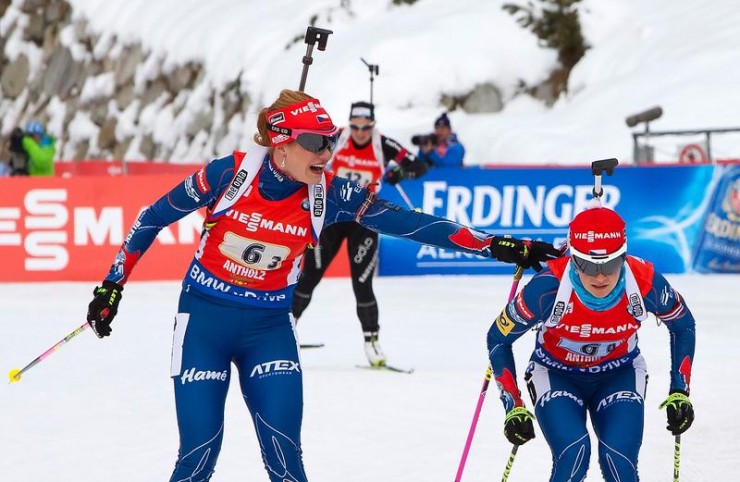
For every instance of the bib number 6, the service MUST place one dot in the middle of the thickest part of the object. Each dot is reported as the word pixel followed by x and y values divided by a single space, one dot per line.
pixel 252 253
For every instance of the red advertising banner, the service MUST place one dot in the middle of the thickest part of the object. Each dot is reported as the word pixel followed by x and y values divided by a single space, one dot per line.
pixel 118 168
pixel 69 229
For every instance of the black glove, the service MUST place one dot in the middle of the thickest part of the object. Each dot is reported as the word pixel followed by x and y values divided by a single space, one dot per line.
pixel 527 254
pixel 518 426
pixel 393 176
pixel 413 169
pixel 680 412
pixel 103 308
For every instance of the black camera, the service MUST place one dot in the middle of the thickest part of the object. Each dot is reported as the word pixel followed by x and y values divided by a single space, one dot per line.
pixel 420 139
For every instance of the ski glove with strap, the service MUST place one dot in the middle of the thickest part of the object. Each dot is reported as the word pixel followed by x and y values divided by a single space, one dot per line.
pixel 527 254
pixel 680 412
pixel 103 308
pixel 518 426
pixel 394 176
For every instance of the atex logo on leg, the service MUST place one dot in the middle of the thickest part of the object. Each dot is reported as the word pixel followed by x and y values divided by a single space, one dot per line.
pixel 275 367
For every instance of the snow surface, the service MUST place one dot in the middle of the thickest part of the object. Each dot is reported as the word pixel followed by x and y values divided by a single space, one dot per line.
pixel 679 54
pixel 104 410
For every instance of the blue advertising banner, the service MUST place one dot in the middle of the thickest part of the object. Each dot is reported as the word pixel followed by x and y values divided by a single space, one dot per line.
pixel 718 246
pixel 663 206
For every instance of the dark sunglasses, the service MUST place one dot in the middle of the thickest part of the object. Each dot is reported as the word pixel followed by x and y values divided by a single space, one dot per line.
pixel 366 127
pixel 316 143
pixel 590 268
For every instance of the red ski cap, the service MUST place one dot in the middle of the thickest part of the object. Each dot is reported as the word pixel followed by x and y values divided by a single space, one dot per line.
pixel 597 235
pixel 307 116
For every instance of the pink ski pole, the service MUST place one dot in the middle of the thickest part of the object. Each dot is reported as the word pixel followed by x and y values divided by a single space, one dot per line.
pixel 489 373
pixel 15 374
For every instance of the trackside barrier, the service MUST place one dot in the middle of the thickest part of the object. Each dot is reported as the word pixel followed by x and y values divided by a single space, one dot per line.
pixel 664 206
pixel 681 217
pixel 69 229
pixel 97 167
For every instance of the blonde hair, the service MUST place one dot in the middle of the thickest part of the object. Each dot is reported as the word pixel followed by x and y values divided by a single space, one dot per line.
pixel 286 98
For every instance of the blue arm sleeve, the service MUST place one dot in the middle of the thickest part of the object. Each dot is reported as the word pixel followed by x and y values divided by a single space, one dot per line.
pixel 528 308
pixel 669 306
pixel 347 201
pixel 200 189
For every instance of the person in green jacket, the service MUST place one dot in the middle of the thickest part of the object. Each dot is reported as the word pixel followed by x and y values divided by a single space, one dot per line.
pixel 40 148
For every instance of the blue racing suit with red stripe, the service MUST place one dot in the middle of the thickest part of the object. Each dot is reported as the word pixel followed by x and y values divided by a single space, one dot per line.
pixel 237 293
pixel 587 360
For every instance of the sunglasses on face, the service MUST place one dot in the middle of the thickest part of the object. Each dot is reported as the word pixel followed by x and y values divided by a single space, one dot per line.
pixel 366 127
pixel 316 143
pixel 589 268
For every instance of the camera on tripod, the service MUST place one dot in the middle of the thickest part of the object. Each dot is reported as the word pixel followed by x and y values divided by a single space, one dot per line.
pixel 422 139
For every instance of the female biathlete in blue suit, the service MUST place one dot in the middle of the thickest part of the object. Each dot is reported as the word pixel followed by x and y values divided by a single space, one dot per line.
pixel 588 308
pixel 264 207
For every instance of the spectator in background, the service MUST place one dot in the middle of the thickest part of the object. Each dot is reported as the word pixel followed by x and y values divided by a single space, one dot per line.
pixel 40 149
pixel 18 158
pixel 441 149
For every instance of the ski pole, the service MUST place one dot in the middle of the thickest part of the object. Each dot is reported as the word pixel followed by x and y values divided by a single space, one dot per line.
pixel 15 375
pixel 509 463
pixel 405 197
pixel 313 35
pixel 676 457
pixel 487 379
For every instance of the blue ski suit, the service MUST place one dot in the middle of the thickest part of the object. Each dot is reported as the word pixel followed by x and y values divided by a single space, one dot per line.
pixel 236 298
pixel 587 361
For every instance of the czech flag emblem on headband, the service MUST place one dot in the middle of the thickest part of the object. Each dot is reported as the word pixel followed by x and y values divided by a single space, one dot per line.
pixel 285 124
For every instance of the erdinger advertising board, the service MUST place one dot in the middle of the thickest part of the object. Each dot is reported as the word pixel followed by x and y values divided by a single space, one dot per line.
pixel 718 247
pixel 663 206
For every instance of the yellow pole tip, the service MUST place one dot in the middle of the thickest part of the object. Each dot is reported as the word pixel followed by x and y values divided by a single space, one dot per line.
pixel 14 375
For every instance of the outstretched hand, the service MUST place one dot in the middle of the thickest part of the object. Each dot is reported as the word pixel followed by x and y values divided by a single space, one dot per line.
pixel 527 254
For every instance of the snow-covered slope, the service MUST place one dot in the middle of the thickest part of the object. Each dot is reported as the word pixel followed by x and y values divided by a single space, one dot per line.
pixel 678 54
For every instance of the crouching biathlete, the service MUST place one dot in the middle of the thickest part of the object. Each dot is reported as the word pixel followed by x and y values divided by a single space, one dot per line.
pixel 264 207
pixel 589 307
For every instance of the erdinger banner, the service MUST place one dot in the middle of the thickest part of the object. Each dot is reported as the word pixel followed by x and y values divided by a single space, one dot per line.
pixel 718 246
pixel 663 207
pixel 70 229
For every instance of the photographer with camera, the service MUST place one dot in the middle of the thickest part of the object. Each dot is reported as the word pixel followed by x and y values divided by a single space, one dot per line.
pixel 31 151
pixel 441 148
pixel 367 157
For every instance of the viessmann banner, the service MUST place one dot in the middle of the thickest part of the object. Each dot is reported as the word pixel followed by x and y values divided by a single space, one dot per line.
pixel 664 207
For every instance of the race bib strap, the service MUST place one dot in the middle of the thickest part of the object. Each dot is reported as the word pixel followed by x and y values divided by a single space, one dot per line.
pixel 635 302
pixel 243 177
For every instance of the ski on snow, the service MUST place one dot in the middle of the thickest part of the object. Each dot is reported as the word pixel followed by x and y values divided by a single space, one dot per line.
pixel 311 345
pixel 386 368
